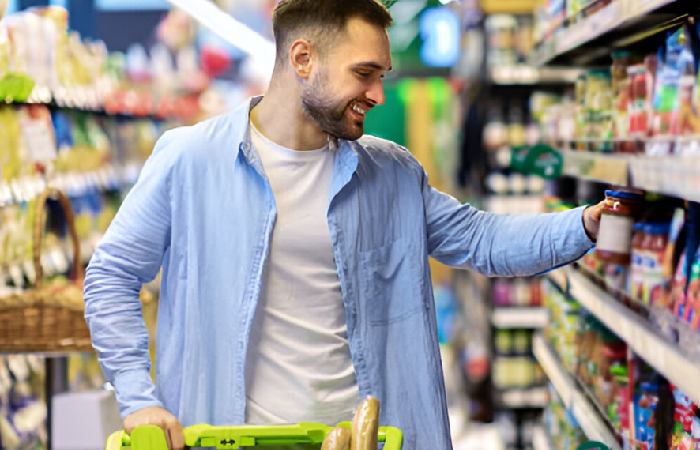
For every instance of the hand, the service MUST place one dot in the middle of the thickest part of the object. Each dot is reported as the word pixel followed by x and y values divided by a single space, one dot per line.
pixel 162 418
pixel 591 220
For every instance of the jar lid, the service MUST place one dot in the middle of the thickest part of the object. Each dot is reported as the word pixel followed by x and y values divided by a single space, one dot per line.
pixel 658 228
pixel 623 194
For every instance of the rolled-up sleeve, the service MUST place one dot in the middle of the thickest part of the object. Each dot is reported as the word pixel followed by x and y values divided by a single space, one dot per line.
pixel 129 255
pixel 460 235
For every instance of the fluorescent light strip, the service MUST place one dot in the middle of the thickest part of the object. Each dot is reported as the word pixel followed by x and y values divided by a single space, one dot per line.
pixel 231 30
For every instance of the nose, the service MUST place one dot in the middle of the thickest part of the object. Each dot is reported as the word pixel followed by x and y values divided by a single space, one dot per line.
pixel 375 94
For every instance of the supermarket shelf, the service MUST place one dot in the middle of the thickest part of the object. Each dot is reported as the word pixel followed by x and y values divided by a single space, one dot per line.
pixel 85 100
pixel 576 401
pixel 110 176
pixel 536 397
pixel 540 440
pixel 521 317
pixel 528 75
pixel 607 168
pixel 513 204
pixel 620 23
pixel 670 175
pixel 659 352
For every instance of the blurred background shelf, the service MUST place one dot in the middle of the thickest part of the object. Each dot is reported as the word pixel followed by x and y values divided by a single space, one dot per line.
pixel 520 317
pixel 621 23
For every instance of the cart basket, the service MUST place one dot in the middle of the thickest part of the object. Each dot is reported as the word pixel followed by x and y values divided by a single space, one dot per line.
pixel 151 437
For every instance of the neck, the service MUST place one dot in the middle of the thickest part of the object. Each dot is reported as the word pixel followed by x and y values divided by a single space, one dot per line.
pixel 280 117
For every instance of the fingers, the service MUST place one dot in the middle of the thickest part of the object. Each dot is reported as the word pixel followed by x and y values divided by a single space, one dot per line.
pixel 598 211
pixel 176 435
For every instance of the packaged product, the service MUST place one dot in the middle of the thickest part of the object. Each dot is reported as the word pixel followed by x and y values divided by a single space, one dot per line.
pixel 673 97
pixel 682 118
pixel 645 402
pixel 684 417
pixel 654 245
pixel 674 250
pixel 635 286
pixel 622 95
pixel 692 312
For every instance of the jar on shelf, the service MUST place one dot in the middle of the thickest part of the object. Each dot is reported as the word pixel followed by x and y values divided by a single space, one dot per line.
pixel 615 234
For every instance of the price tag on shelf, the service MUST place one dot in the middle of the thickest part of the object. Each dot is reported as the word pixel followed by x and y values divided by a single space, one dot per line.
pixel 37 133
pixel 636 8
pixel 606 19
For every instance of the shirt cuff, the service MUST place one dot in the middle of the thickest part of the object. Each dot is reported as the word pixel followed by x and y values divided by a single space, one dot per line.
pixel 135 390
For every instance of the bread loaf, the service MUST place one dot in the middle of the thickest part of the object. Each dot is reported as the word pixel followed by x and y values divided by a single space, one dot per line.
pixel 365 425
pixel 337 439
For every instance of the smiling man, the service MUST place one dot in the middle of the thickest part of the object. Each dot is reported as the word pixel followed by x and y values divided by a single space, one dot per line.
pixel 295 252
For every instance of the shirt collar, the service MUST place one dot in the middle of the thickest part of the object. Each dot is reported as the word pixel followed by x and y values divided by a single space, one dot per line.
pixel 347 153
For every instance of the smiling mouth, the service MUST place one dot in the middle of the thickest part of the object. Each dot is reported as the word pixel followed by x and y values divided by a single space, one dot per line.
pixel 359 108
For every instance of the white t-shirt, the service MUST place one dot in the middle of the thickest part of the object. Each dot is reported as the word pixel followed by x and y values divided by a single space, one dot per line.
pixel 299 365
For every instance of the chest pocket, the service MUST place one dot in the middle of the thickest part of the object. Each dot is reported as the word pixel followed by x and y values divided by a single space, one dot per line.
pixel 392 283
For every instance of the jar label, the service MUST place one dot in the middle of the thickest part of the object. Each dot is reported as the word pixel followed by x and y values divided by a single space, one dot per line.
pixel 615 234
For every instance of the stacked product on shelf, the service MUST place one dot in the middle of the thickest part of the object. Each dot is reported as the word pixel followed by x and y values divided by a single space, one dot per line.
pixel 41 61
pixel 94 158
pixel 637 403
pixel 562 429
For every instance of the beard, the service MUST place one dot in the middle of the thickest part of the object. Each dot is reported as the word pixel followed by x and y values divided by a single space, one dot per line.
pixel 327 112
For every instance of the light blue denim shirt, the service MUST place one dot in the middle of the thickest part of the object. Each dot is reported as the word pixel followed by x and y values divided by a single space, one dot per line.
pixel 203 209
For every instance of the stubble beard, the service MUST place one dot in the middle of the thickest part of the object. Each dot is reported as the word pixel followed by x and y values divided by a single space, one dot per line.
pixel 328 114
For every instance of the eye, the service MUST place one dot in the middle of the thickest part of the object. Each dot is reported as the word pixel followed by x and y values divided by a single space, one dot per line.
pixel 363 73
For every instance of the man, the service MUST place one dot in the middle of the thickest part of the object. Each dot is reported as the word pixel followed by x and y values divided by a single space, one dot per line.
pixel 295 252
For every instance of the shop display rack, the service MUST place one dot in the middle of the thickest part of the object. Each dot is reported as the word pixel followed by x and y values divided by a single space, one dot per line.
pixel 658 351
pixel 519 317
pixel 533 397
pixel 586 414
pixel 527 75
pixel 673 175
pixel 619 24
pixel 108 177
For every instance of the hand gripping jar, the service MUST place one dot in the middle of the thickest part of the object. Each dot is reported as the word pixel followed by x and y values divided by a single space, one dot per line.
pixel 615 234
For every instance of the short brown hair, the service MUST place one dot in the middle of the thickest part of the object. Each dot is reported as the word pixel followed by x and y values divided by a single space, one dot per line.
pixel 322 20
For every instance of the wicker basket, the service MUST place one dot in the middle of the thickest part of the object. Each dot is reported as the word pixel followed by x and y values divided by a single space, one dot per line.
pixel 50 316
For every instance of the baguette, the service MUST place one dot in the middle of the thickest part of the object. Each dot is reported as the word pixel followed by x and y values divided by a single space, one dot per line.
pixel 337 439
pixel 365 425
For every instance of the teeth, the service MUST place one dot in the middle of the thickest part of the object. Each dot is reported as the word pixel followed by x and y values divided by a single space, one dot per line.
pixel 357 109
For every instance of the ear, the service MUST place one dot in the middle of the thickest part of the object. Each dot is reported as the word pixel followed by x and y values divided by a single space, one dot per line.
pixel 300 57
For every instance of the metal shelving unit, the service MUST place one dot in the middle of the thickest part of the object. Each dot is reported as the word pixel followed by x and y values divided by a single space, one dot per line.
pixel 670 175
pixel 520 317
pixel 592 424
pixel 618 24
pixel 658 351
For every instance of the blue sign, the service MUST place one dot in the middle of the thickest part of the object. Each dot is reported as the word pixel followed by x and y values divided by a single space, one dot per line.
pixel 440 32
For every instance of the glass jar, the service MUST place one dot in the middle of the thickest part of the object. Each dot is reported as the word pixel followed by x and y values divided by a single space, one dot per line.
pixel 615 234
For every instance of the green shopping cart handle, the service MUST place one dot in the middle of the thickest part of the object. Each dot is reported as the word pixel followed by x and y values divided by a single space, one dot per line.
pixel 151 437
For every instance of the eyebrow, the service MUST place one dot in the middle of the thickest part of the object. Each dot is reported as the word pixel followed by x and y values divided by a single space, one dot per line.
pixel 371 65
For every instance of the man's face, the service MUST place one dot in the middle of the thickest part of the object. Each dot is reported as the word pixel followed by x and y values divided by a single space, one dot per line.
pixel 347 82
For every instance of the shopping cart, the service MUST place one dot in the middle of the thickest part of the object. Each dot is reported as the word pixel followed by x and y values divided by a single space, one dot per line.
pixel 151 437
